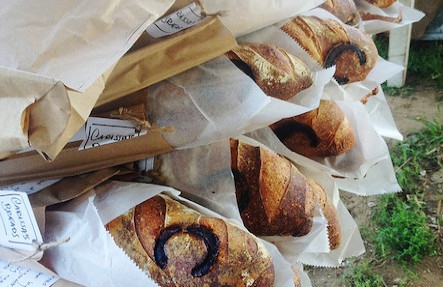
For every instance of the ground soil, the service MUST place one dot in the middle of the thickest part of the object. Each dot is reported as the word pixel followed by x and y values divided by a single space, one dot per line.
pixel 424 102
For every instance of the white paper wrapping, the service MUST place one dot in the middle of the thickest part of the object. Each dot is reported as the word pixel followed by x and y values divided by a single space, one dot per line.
pixel 260 13
pixel 72 41
pixel 409 16
pixel 216 101
pixel 367 151
pixel 91 257
pixel 207 179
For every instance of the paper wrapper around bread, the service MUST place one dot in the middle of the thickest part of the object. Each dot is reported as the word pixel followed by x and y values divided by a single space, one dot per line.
pixel 232 257
pixel 207 103
pixel 82 258
pixel 397 15
pixel 207 179
pixel 60 111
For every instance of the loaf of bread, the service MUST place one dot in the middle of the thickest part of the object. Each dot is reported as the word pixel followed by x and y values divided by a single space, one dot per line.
pixel 322 132
pixel 178 246
pixel 278 73
pixel 382 3
pixel 331 43
pixel 274 198
pixel 345 10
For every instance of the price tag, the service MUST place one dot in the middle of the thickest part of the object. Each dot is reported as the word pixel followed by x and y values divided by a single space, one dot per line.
pixel 17 276
pixel 18 226
pixel 175 22
pixel 102 131
pixel 31 187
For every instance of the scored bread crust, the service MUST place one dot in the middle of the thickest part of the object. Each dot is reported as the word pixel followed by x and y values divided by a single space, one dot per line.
pixel 322 132
pixel 273 196
pixel 240 260
pixel 278 73
pixel 331 43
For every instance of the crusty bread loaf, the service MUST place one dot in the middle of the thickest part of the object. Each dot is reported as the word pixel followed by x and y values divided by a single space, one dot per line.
pixel 278 73
pixel 331 43
pixel 382 3
pixel 322 132
pixel 273 196
pixel 345 10
pixel 178 246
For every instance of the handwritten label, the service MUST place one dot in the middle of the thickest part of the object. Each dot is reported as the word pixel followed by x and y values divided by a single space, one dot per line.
pixel 31 187
pixel 18 226
pixel 17 276
pixel 175 22
pixel 102 131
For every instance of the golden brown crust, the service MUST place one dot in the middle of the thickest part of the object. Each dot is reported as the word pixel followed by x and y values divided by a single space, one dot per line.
pixel 179 247
pixel 344 10
pixel 330 213
pixel 277 73
pixel 322 132
pixel 273 196
pixel 330 43
pixel 382 3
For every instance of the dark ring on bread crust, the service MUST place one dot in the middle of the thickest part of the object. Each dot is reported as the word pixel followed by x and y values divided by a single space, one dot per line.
pixel 336 51
pixel 204 233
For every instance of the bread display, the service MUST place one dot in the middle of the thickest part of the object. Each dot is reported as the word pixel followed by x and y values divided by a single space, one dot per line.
pixel 381 3
pixel 178 246
pixel 344 10
pixel 329 42
pixel 322 132
pixel 278 73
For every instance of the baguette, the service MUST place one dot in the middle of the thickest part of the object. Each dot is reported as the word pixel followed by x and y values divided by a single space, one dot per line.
pixel 178 246
pixel 330 43
pixel 278 73
pixel 345 10
pixel 322 132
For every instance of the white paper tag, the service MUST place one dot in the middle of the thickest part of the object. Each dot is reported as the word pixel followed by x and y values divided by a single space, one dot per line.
pixel 175 22
pixel 102 131
pixel 17 276
pixel 18 226
pixel 31 187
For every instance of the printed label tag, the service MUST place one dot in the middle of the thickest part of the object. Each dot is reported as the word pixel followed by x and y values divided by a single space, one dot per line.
pixel 31 187
pixel 18 226
pixel 175 22
pixel 17 276
pixel 102 131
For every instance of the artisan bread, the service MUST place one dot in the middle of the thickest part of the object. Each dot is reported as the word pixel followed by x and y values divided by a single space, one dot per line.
pixel 331 43
pixel 322 132
pixel 275 198
pixel 278 73
pixel 178 246
pixel 345 10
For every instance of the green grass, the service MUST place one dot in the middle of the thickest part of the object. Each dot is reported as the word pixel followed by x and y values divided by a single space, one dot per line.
pixel 425 59
pixel 362 275
pixel 417 155
pixel 402 232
